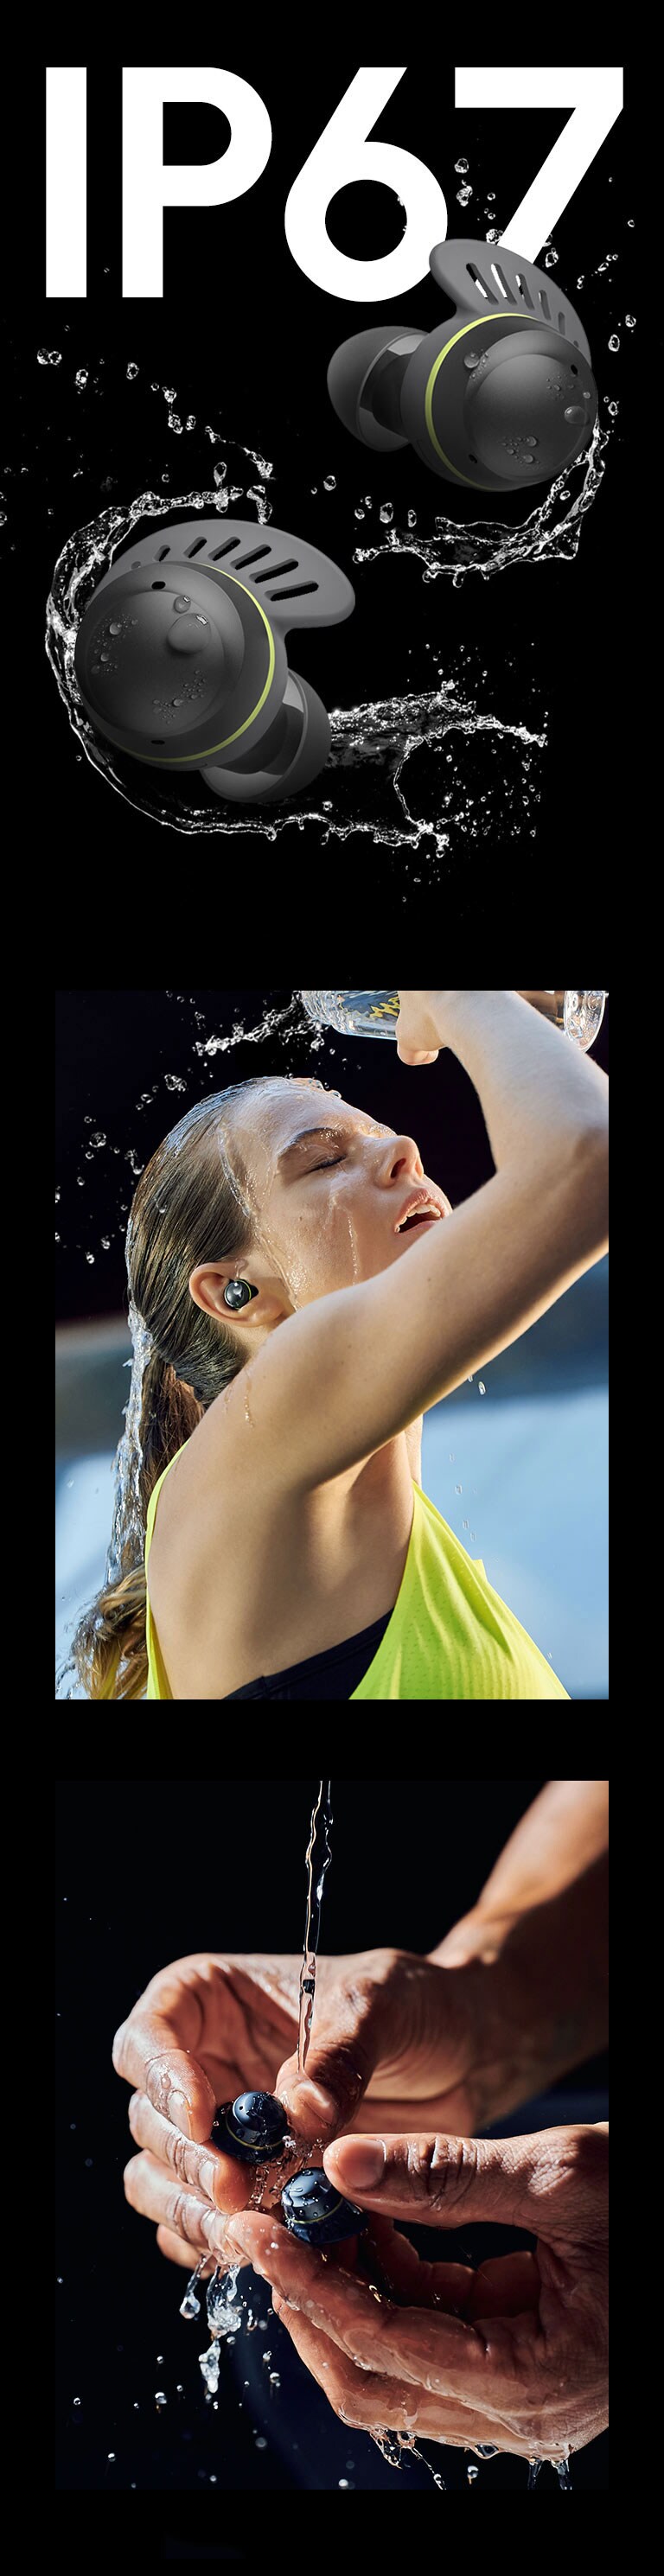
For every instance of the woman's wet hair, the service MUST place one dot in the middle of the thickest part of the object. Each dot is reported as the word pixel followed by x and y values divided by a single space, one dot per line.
pixel 192 1205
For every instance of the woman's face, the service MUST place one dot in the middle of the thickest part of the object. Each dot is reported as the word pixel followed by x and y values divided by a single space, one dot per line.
pixel 326 1205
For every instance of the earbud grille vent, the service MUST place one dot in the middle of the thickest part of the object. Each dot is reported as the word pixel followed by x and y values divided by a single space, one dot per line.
pixel 296 590
pixel 513 286
pixel 254 557
pixel 275 570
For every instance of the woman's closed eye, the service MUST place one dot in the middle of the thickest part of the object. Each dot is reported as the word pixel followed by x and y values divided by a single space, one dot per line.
pixel 329 1166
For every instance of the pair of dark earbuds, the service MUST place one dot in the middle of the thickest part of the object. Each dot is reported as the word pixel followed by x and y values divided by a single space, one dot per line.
pixel 180 656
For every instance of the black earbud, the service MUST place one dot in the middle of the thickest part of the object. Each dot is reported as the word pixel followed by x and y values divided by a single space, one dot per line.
pixel 237 1292
pixel 252 2130
pixel 180 656
pixel 501 394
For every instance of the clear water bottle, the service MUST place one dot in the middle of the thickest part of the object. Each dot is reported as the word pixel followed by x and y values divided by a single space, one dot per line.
pixel 374 1015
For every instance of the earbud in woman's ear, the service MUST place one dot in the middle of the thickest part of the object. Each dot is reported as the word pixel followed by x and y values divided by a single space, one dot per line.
pixel 502 395
pixel 180 658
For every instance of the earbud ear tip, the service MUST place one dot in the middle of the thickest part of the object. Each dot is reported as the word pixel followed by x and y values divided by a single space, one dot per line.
pixel 347 375
pixel 315 741
pixel 297 758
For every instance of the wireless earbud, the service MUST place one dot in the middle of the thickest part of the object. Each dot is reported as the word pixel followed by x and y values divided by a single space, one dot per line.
pixel 500 395
pixel 180 656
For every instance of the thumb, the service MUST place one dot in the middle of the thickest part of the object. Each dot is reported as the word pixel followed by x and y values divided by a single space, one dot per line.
pixel 448 2182
pixel 339 2068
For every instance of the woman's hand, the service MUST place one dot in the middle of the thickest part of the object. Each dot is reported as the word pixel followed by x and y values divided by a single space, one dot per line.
pixel 395 2038
pixel 418 1041
pixel 514 2354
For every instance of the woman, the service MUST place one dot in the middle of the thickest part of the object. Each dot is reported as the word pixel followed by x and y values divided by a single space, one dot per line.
pixel 288 1357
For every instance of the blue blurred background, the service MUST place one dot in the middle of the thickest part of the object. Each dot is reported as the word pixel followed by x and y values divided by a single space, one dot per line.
pixel 530 1455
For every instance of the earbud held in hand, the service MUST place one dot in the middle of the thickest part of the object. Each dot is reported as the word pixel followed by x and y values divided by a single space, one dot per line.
pixel 251 2129
pixel 314 2210
pixel 180 656
pixel 500 396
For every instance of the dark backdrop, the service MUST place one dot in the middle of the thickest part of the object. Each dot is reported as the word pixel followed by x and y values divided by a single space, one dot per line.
pixel 146 1872
pixel 244 340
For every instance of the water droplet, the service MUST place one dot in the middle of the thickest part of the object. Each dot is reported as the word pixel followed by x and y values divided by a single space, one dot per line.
pixel 576 415
pixel 177 702
pixel 472 360
pixel 386 512
pixel 461 168
pixel 81 378
pixel 329 483
pixel 114 629
pixel 531 442
pixel 630 319
pixel 131 372
pixel 630 223
pixel 551 259
pixel 458 1489
pixel 614 342
pixel 180 602
pixel 104 656
pixel 200 620
pixel 110 2455
pixel 359 514
pixel 160 2398
pixel 412 518
pixel 77 2401
pixel 463 194
pixel 482 1388
pixel 464 1524
pixel 472 2473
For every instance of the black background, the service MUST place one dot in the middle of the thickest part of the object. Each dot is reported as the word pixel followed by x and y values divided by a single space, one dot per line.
pixel 245 340
pixel 147 1871
pixel 113 1052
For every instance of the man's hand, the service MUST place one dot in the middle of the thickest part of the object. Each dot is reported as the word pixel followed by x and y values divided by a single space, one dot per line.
pixel 395 2039
pixel 514 2354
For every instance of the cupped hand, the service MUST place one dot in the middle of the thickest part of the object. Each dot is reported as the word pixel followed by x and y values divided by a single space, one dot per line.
pixel 392 2032
pixel 514 2354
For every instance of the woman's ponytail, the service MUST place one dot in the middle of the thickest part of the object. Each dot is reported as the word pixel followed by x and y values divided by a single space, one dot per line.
pixel 190 1206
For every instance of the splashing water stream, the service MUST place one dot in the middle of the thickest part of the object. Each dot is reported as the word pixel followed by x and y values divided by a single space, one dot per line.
pixel 373 743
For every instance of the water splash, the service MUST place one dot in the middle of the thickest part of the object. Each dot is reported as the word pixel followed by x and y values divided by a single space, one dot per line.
pixel 550 533
pixel 396 743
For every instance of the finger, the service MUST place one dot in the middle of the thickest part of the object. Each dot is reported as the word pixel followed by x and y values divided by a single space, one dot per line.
pixel 159 2195
pixel 420 1055
pixel 364 2399
pixel 444 2180
pixel 407 2275
pixel 502 2287
pixel 174 2248
pixel 430 2347
pixel 215 2177
pixel 148 2052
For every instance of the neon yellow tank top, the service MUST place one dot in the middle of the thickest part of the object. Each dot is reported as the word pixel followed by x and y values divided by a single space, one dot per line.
pixel 450 1635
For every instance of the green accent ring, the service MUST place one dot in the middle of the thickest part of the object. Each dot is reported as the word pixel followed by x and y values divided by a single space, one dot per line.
pixel 182 758
pixel 514 314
